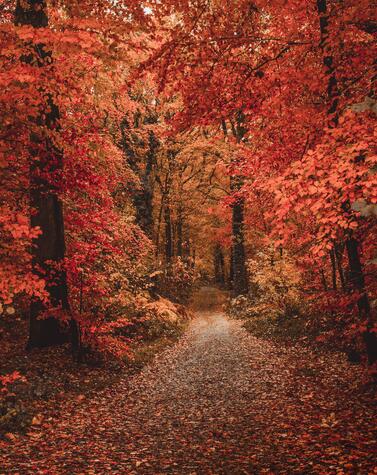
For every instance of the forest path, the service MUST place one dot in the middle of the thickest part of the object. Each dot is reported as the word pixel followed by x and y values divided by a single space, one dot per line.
pixel 219 402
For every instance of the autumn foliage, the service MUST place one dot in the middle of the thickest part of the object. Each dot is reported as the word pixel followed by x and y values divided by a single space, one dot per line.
pixel 169 156
pixel 294 83
pixel 145 146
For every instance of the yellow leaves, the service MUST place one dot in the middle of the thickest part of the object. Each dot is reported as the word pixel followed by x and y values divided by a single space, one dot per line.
pixel 329 421
pixel 277 284
pixel 37 420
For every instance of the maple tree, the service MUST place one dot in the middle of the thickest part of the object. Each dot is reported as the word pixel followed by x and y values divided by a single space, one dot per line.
pixel 63 136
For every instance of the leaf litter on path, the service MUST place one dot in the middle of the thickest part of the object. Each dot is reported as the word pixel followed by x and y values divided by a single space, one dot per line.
pixel 219 402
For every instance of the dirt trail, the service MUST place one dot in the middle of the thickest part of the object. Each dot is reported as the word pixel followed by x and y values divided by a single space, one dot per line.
pixel 218 402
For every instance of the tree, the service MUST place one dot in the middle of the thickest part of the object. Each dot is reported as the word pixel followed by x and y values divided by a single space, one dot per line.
pixel 357 279
pixel 48 249
pixel 61 100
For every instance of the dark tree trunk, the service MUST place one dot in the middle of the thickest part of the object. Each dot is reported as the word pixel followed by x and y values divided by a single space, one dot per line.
pixel 324 281
pixel 238 272
pixel 240 278
pixel 47 211
pixel 240 281
pixel 328 63
pixel 339 259
pixel 179 231
pixel 230 280
pixel 144 206
pixel 357 280
pixel 333 269
pixel 159 224
pixel 31 12
pixel 169 240
pixel 219 265
pixel 142 195
pixel 168 235
pixel 358 283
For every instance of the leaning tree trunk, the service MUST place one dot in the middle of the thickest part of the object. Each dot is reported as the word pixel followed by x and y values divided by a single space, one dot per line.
pixel 48 250
pixel 357 279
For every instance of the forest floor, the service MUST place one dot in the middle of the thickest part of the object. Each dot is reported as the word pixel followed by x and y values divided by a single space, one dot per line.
pixel 219 401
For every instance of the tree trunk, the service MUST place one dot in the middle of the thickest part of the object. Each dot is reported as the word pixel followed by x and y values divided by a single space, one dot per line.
pixel 219 265
pixel 230 280
pixel 179 231
pixel 324 281
pixel 169 240
pixel 143 195
pixel 339 258
pixel 240 281
pixel 328 62
pixel 238 255
pixel 48 249
pixel 333 269
pixel 240 278
pixel 358 283
pixel 144 206
pixel 168 234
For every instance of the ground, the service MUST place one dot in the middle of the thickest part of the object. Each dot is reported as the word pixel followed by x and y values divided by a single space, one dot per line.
pixel 220 401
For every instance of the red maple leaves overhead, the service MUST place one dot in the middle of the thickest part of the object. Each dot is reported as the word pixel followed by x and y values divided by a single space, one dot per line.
pixel 146 144
pixel 292 82
pixel 303 76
